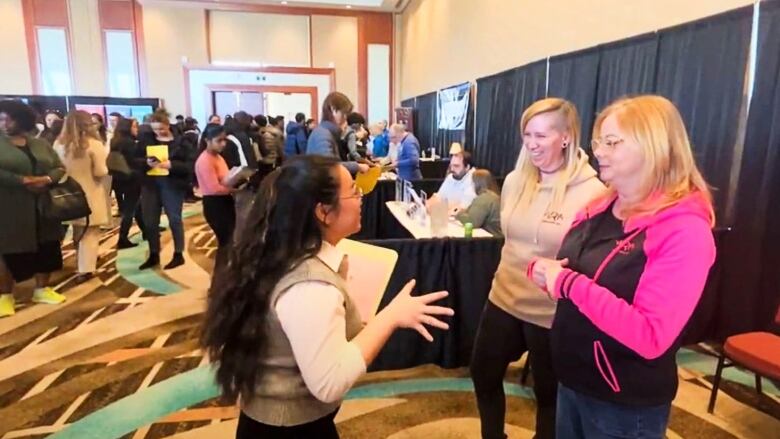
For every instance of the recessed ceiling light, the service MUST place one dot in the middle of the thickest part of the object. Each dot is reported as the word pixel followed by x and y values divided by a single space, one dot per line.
pixel 284 3
pixel 349 6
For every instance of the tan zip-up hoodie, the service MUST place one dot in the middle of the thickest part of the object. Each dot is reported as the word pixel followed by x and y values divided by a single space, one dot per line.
pixel 536 232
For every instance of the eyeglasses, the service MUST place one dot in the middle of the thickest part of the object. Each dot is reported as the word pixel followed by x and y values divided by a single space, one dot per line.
pixel 357 193
pixel 607 143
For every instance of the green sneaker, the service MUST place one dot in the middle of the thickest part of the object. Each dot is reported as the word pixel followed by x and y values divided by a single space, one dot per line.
pixel 48 295
pixel 7 305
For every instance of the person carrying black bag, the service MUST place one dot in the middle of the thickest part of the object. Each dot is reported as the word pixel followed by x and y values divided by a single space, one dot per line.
pixel 29 242
pixel 127 185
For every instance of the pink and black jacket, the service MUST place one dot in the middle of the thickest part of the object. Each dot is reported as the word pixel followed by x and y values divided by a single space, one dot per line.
pixel 626 296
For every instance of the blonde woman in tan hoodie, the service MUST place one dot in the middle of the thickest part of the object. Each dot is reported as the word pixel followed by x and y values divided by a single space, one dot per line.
pixel 551 182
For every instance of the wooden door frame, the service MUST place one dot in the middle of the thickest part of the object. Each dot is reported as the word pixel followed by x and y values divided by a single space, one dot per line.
pixel 311 91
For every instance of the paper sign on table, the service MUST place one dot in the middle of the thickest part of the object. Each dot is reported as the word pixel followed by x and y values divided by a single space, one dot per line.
pixel 160 152
pixel 370 268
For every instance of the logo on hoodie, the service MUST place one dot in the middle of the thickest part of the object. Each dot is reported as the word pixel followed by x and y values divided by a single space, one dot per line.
pixel 552 218
pixel 625 248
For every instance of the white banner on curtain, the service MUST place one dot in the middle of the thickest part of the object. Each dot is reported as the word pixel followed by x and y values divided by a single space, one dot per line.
pixel 453 104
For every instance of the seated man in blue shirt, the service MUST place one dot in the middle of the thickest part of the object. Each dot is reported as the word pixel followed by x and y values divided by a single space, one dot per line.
pixel 408 162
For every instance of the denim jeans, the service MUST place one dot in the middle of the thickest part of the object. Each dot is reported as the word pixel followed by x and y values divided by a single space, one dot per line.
pixel 581 416
pixel 160 194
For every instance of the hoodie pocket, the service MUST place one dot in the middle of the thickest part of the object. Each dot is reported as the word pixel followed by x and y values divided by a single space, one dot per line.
pixel 605 367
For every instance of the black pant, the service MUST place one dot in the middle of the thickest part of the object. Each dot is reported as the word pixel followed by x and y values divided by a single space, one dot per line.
pixel 128 197
pixel 323 428
pixel 501 339
pixel 220 213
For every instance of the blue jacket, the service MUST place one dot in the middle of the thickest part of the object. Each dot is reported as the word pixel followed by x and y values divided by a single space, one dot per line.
pixel 296 139
pixel 409 158
pixel 324 141
pixel 381 145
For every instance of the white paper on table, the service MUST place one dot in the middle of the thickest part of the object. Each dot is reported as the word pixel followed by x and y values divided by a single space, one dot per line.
pixel 370 268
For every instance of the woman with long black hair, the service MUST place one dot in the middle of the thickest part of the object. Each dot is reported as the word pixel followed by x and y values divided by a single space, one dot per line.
pixel 219 208
pixel 128 187
pixel 280 325
pixel 101 126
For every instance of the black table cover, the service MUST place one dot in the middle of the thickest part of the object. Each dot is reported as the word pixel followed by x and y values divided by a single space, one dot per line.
pixel 465 268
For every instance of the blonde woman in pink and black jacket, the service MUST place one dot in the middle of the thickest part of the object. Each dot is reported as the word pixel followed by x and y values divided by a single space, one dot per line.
pixel 629 275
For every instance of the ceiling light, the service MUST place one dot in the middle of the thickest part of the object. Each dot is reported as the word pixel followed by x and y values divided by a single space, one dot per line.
pixel 349 6
pixel 284 3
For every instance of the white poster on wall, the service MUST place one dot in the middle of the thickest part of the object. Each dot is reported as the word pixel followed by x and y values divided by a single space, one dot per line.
pixel 453 104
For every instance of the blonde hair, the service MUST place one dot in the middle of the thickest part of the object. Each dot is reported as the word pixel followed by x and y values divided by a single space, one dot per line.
pixel 529 174
pixel 76 132
pixel 669 173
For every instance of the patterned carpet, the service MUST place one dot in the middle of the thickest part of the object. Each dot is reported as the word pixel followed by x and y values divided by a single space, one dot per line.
pixel 120 360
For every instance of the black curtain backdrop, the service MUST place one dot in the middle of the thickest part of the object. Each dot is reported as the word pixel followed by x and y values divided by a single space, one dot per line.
pixel 574 77
pixel 626 67
pixel 701 68
pixel 751 286
pixel 501 100
pixel 444 138
pixel 425 119
pixel 468 141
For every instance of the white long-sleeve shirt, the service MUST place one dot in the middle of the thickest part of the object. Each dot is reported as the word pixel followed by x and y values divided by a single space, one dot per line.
pixel 312 315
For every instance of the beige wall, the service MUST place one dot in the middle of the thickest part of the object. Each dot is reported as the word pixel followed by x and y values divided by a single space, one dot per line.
pixel 444 42
pixel 334 44
pixel 171 33
pixel 13 46
pixel 86 45
pixel 270 39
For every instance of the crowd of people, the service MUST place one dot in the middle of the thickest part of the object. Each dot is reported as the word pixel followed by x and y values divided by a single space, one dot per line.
pixel 598 276
pixel 112 161
pixel 599 273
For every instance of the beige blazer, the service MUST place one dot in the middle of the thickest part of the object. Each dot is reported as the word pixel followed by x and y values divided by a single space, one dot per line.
pixel 91 172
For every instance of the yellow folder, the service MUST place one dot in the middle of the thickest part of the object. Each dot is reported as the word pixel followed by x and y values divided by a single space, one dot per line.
pixel 160 152
pixel 367 182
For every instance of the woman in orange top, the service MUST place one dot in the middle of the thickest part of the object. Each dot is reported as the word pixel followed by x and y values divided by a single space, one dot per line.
pixel 211 169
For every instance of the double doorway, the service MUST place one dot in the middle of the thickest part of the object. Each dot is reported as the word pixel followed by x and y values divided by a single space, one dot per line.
pixel 273 101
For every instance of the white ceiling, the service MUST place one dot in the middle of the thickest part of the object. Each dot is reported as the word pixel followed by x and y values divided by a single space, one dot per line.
pixel 371 5
pixel 354 3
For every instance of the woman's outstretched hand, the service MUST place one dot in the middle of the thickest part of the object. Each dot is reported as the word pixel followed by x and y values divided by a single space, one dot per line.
pixel 415 312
